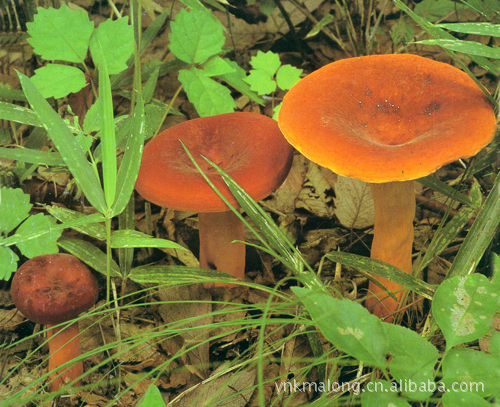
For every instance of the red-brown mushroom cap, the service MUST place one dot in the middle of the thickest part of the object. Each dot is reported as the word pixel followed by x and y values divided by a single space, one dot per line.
pixel 387 118
pixel 248 146
pixel 53 288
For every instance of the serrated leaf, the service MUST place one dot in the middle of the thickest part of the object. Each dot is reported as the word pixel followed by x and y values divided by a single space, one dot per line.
pixel 60 34
pixel 347 325
pixel 353 203
pixel 217 66
pixel 261 82
pixel 268 62
pixel 14 206
pixel 8 263
pixel 133 238
pixel 117 43
pixel 47 244
pixel 236 80
pixel 196 35
pixel 463 307
pixel 288 76
pixel 58 80
pixel 208 96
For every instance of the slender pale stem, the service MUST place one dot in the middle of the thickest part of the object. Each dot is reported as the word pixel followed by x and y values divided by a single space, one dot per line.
pixel 217 231
pixel 393 239
pixel 64 346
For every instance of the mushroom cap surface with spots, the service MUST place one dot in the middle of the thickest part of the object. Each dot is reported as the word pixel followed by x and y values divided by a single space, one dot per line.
pixel 248 146
pixel 54 288
pixel 386 118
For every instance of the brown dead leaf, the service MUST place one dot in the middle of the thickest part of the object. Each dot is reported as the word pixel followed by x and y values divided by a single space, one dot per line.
pixel 185 305
pixel 314 196
pixel 220 387
pixel 353 203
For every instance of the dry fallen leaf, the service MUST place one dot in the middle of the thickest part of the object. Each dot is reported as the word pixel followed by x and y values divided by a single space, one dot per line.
pixel 353 203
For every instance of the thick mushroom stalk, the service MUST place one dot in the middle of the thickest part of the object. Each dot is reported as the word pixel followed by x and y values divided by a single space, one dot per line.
pixel 217 232
pixel 64 345
pixel 394 204
pixel 387 119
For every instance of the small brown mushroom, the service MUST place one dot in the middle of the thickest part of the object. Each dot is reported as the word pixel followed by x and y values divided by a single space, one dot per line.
pixel 387 120
pixel 248 146
pixel 52 289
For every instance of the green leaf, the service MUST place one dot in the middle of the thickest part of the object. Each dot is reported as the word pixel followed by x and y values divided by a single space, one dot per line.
pixel 217 66
pixel 384 270
pixel 348 326
pixel 268 62
pixel 433 10
pixel 327 19
pixel 61 34
pixel 89 254
pixel 473 28
pixel 131 161
pixel 288 76
pixel 176 275
pixel 117 43
pixel 150 86
pixel 208 96
pixel 107 134
pixel 261 82
pixel 27 155
pixel 58 80
pixel 92 119
pixel 413 359
pixel 8 262
pixel 38 246
pixel 463 399
pixel 133 238
pixel 69 148
pixel 477 371
pixel 95 230
pixel 196 35
pixel 465 47
pixel 237 81
pixel 18 114
pixel 14 206
pixel 463 307
pixel 381 393
pixel 480 235
pixel 152 398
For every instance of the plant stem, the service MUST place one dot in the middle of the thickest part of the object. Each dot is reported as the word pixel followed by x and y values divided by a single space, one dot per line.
pixel 393 240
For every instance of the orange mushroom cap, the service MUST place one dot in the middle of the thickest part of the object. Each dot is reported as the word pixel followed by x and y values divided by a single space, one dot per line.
pixel 385 118
pixel 248 146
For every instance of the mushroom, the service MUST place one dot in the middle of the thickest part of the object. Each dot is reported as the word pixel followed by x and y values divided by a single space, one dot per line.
pixel 248 146
pixel 51 289
pixel 387 120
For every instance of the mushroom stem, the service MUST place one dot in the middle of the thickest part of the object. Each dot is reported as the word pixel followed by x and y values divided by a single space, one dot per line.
pixel 392 241
pixel 217 252
pixel 64 345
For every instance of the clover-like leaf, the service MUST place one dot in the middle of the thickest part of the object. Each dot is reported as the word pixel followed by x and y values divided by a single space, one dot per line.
pixel 14 208
pixel 268 62
pixel 58 80
pixel 261 82
pixel 61 34
pixel 8 262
